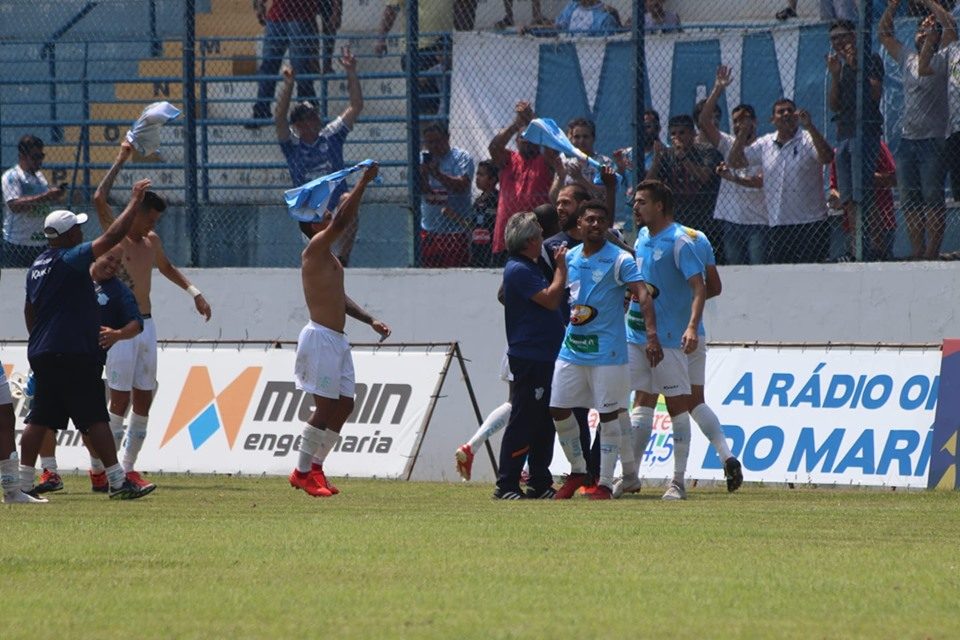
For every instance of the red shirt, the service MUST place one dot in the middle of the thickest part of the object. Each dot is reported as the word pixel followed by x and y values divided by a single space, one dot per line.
pixel 524 185
pixel 293 11
pixel 882 198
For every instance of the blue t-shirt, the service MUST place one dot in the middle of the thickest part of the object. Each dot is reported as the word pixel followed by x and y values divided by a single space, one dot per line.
pixel 65 310
pixel 533 331
pixel 667 261
pixel 118 306
pixel 576 18
pixel 596 335
pixel 704 251
pixel 457 163
pixel 311 161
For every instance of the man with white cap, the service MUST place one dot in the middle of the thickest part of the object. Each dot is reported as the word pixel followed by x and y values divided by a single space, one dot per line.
pixel 63 320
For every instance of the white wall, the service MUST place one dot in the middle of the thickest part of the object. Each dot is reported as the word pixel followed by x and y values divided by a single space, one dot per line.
pixel 883 302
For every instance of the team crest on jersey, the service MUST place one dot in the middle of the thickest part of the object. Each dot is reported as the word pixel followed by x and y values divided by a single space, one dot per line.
pixel 657 253
pixel 598 275
pixel 581 314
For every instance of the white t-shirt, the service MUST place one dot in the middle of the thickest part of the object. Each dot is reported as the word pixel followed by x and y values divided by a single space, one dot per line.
pixel 24 228
pixel 736 203
pixel 952 53
pixel 925 112
pixel 792 178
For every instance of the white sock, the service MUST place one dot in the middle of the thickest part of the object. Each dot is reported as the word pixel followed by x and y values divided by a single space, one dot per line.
pixel 627 461
pixel 641 419
pixel 310 442
pixel 328 442
pixel 116 476
pixel 609 450
pixel 27 477
pixel 96 465
pixel 681 445
pixel 495 421
pixel 10 473
pixel 136 434
pixel 708 422
pixel 48 463
pixel 568 432
pixel 116 427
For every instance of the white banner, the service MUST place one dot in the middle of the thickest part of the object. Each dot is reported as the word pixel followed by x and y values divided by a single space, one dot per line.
pixel 827 416
pixel 238 410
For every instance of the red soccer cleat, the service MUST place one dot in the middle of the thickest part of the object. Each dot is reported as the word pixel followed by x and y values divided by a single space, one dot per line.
pixel 570 485
pixel 99 482
pixel 308 482
pixel 139 481
pixel 317 470
pixel 50 481
pixel 601 492
pixel 464 458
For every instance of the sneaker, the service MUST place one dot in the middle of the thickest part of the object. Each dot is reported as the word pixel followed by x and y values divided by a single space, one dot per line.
pixel 571 483
pixel 629 485
pixel 786 13
pixel 99 482
pixel 500 494
pixel 138 480
pixel 602 492
pixel 317 470
pixel 464 459
pixel 540 494
pixel 130 491
pixel 50 481
pixel 308 482
pixel 21 497
pixel 675 492
pixel 733 472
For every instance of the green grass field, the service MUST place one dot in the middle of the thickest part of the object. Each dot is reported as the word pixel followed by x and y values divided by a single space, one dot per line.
pixel 224 557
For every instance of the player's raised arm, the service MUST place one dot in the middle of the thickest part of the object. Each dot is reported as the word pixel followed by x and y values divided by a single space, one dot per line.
pixel 102 195
pixel 344 216
pixel 174 275
pixel 119 227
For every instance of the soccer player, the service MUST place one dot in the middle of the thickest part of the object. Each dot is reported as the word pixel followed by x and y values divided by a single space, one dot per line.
pixel 9 461
pixel 591 369
pixel 667 258
pixel 63 320
pixel 700 411
pixel 324 366
pixel 132 364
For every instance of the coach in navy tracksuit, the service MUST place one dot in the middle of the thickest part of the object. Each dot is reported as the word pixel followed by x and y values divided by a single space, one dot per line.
pixel 534 333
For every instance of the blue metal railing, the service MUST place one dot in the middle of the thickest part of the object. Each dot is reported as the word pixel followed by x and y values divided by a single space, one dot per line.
pixel 48 52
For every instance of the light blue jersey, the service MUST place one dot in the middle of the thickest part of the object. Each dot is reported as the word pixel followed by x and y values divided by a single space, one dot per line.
pixel 704 250
pixel 667 261
pixel 596 335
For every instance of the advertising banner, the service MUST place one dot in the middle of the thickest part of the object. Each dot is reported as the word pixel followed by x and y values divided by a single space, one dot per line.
pixel 226 409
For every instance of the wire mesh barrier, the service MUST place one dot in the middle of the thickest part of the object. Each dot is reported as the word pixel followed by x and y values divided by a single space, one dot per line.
pixel 854 165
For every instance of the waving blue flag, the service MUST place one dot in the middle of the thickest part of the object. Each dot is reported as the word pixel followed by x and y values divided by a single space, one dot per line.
pixel 546 133
pixel 308 202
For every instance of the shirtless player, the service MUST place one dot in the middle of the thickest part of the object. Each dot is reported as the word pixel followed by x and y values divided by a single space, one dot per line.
pixel 132 364
pixel 324 366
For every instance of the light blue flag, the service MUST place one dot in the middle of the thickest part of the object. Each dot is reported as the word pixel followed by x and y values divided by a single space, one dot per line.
pixel 546 133
pixel 308 202
pixel 145 133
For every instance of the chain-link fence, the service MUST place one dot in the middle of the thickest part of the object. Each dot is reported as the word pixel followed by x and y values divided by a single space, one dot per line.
pixel 855 165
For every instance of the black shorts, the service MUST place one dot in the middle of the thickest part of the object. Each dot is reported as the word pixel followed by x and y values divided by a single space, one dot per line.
pixel 69 387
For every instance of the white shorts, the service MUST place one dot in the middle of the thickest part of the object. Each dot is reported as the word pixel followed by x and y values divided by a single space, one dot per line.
pixel 132 364
pixel 5 397
pixel 603 388
pixel 671 377
pixel 505 374
pixel 324 366
pixel 697 363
